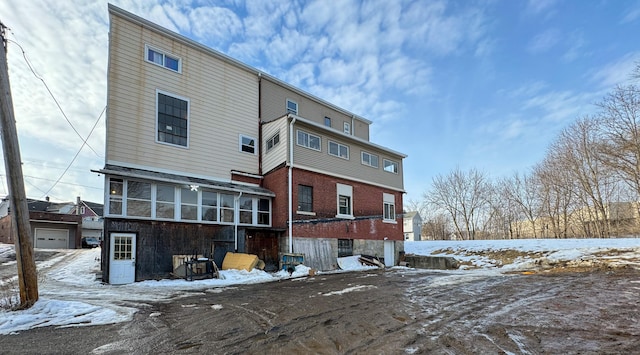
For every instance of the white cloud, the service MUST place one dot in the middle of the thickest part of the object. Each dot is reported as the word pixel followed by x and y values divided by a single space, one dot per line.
pixel 214 23
pixel 617 72
pixel 545 41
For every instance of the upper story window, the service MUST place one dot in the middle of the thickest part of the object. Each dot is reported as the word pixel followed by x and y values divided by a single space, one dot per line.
pixel 339 150
pixel 163 59
pixel 173 120
pixel 388 207
pixel 390 166
pixel 370 159
pixel 345 201
pixel 273 141
pixel 308 140
pixel 347 128
pixel 247 144
pixel 327 121
pixel 292 107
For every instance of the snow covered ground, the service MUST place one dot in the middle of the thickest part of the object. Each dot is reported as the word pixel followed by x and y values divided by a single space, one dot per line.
pixel 72 295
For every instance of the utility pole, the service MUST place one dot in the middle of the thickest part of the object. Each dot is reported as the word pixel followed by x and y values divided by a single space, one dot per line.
pixel 21 229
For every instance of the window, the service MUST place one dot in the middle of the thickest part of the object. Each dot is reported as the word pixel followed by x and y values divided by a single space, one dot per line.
pixel 389 207
pixel 163 59
pixel 264 211
pixel 122 248
pixel 226 208
pixel 292 107
pixel 115 196
pixel 327 121
pixel 138 199
pixel 188 204
pixel 305 198
pixel 209 206
pixel 165 201
pixel 339 150
pixel 308 140
pixel 246 210
pixel 273 141
pixel 390 166
pixel 247 144
pixel 370 159
pixel 347 128
pixel 345 202
pixel 345 247
pixel 173 113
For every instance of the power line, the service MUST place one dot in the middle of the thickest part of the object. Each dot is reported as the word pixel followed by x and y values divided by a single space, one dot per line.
pixel 24 54
pixel 78 153
pixel 61 182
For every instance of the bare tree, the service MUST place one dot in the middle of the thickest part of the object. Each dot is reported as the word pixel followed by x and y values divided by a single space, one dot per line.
pixel 620 124
pixel 436 227
pixel 523 190
pixel 578 149
pixel 462 195
pixel 556 198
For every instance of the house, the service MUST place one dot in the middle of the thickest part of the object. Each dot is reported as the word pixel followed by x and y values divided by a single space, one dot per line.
pixel 49 228
pixel 205 154
pixel 412 226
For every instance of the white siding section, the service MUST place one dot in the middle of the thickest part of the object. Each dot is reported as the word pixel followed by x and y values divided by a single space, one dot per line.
pixel 353 168
pixel 223 104
pixel 278 154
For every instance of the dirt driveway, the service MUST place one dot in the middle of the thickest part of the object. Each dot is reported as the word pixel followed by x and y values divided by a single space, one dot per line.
pixel 381 312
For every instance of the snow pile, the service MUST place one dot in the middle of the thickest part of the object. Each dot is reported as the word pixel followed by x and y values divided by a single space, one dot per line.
pixel 527 254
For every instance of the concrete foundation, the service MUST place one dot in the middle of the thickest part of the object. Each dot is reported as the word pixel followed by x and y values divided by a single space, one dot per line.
pixel 431 262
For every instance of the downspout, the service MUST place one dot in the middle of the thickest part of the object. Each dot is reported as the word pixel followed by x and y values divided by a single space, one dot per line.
pixel 236 212
pixel 290 182
pixel 260 123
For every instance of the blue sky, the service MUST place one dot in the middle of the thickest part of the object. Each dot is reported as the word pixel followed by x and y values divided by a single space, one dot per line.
pixel 469 84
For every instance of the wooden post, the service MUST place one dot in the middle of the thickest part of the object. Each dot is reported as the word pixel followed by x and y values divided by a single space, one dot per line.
pixel 27 276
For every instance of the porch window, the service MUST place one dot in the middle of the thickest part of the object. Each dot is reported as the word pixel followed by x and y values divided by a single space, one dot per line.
pixel 115 196
pixel 264 211
pixel 390 166
pixel 209 206
pixel 226 208
pixel 165 201
pixel 138 199
pixel 188 204
pixel 246 210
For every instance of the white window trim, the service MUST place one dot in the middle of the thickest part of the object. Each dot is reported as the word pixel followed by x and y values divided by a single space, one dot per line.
pixel 388 199
pixel 255 144
pixel 344 190
pixel 346 127
pixel 164 55
pixel 287 107
pixel 319 149
pixel 362 153
pixel 339 145
pixel 384 161
pixel 273 144
pixel 188 119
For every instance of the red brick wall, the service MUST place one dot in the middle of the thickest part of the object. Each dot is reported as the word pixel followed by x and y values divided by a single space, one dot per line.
pixel 367 207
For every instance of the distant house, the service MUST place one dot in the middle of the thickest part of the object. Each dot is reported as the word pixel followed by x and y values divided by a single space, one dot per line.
pixel 412 226
pixel 205 155
pixel 49 228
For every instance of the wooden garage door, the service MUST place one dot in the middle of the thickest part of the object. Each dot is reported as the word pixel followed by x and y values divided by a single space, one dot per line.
pixel 52 238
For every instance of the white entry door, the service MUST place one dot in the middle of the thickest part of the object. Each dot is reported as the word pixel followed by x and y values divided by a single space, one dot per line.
pixel 389 253
pixel 122 258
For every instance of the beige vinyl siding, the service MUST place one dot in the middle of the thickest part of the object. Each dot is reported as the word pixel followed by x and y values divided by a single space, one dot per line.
pixel 274 98
pixel 278 154
pixel 223 102
pixel 353 168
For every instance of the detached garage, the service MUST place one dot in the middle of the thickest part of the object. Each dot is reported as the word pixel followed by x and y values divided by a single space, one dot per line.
pixel 51 238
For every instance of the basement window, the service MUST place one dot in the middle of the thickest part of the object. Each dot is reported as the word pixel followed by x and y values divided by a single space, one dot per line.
pixel 345 247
